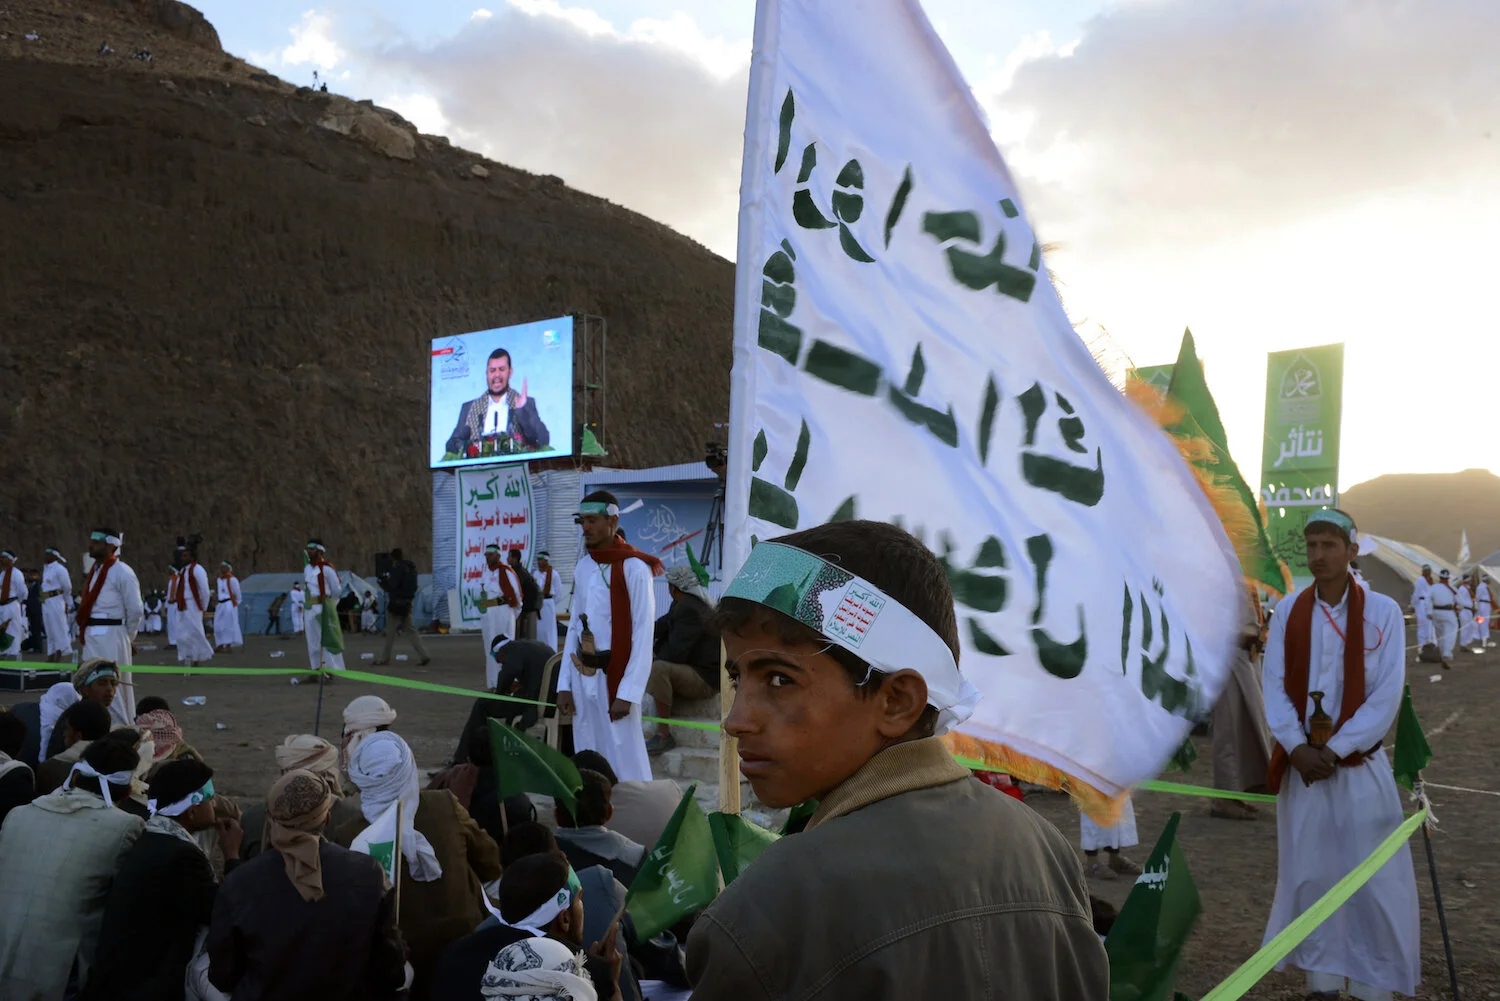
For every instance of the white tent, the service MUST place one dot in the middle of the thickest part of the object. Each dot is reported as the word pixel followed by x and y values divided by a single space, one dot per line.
pixel 1393 568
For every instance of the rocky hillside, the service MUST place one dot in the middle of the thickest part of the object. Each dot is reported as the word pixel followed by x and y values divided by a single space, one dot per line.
pixel 218 292
pixel 1432 510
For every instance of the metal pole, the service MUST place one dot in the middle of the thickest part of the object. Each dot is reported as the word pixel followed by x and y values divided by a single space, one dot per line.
pixel 1437 897
pixel 318 718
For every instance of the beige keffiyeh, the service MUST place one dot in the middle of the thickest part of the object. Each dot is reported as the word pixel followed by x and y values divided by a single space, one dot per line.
pixel 298 806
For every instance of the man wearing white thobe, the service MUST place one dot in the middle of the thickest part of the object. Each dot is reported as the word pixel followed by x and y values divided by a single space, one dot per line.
pixel 1464 598
pixel 174 578
pixel 193 595
pixel 1484 610
pixel 546 578
pixel 1421 605
pixel 499 606
pixel 57 600
pixel 227 633
pixel 299 600
pixel 321 582
pixel 1445 616
pixel 109 616
pixel 12 605
pixel 1338 802
pixel 610 726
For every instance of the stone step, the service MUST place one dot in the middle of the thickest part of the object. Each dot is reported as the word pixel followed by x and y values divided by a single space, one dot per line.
pixel 687 764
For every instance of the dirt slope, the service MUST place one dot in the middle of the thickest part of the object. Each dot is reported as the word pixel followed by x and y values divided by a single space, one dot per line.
pixel 1431 510
pixel 218 292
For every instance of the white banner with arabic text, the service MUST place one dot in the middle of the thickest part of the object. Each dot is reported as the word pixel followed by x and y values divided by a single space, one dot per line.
pixel 900 355
pixel 494 506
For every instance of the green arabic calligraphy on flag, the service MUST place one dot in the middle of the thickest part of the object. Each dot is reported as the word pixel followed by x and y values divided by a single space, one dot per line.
pixel 901 355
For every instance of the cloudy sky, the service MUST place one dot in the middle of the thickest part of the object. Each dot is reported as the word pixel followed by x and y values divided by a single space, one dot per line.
pixel 1272 173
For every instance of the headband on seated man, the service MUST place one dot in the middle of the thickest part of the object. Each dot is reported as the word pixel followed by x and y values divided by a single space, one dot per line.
pixel 854 614
pixel 177 809
pixel 104 779
pixel 537 921
pixel 599 507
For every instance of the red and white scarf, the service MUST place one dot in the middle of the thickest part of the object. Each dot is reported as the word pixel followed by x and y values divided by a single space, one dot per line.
pixel 92 585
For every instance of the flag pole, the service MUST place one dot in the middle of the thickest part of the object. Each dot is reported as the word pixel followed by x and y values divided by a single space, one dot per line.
pixel 396 862
pixel 729 758
pixel 1437 898
pixel 318 715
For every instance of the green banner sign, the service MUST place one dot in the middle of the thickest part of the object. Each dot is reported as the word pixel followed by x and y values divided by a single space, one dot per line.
pixel 1300 460
pixel 1304 397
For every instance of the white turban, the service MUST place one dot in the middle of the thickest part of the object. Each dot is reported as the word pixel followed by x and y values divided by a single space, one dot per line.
pixel 363 717
pixel 385 771
pixel 537 969
pixel 685 580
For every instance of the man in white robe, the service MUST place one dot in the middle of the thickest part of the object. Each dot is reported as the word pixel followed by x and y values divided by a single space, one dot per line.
pixel 57 600
pixel 599 681
pixel 321 615
pixel 1337 802
pixel 546 578
pixel 227 633
pixel 299 600
pixel 1445 616
pixel 12 606
pixel 1421 605
pixel 1464 599
pixel 174 578
pixel 499 605
pixel 193 597
pixel 1484 601
pixel 154 606
pixel 109 616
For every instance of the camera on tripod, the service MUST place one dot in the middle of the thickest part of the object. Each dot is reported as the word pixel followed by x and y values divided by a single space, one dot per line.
pixel 716 457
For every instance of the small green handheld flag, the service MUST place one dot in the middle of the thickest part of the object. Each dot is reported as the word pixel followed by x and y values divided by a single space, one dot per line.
pixel 1412 750
pixel 737 842
pixel 525 764
pixel 680 877
pixel 1146 942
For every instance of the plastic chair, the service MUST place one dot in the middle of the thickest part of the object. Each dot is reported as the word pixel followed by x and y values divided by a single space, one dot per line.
pixel 548 721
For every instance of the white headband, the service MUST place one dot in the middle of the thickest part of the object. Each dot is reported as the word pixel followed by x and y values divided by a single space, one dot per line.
pixel 113 778
pixel 60 557
pixel 856 615
pixel 185 804
pixel 554 905
pixel 598 507
pixel 113 540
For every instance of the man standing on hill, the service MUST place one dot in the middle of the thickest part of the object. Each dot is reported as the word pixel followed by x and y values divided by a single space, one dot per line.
pixel 12 605
pixel 193 647
pixel 57 595
pixel 227 633
pixel 546 629
pixel 1343 645
pixel 325 640
pixel 109 614
pixel 1445 616
pixel 607 656
pixel 501 413
pixel 1421 605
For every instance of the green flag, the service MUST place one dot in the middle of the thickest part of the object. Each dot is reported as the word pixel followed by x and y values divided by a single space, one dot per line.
pixel 1189 389
pixel 737 842
pixel 680 877
pixel 798 818
pixel 1185 756
pixel 699 569
pixel 333 634
pixel 1147 938
pixel 1412 750
pixel 525 764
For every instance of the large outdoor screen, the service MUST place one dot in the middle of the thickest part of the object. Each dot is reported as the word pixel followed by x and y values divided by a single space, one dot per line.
pixel 503 395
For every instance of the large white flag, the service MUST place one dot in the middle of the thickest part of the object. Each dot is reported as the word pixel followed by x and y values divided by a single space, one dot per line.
pixel 901 355
pixel 1463 550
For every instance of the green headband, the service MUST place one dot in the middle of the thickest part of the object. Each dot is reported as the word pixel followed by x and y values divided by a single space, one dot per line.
pixel 599 507
pixel 1337 519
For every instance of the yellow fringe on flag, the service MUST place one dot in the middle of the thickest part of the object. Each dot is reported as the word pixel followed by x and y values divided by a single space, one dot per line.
pixel 989 756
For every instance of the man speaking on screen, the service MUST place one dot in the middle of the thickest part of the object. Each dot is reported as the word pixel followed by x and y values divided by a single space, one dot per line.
pixel 500 415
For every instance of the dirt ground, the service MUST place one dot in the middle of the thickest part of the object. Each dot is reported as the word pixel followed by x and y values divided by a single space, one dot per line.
pixel 1233 862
